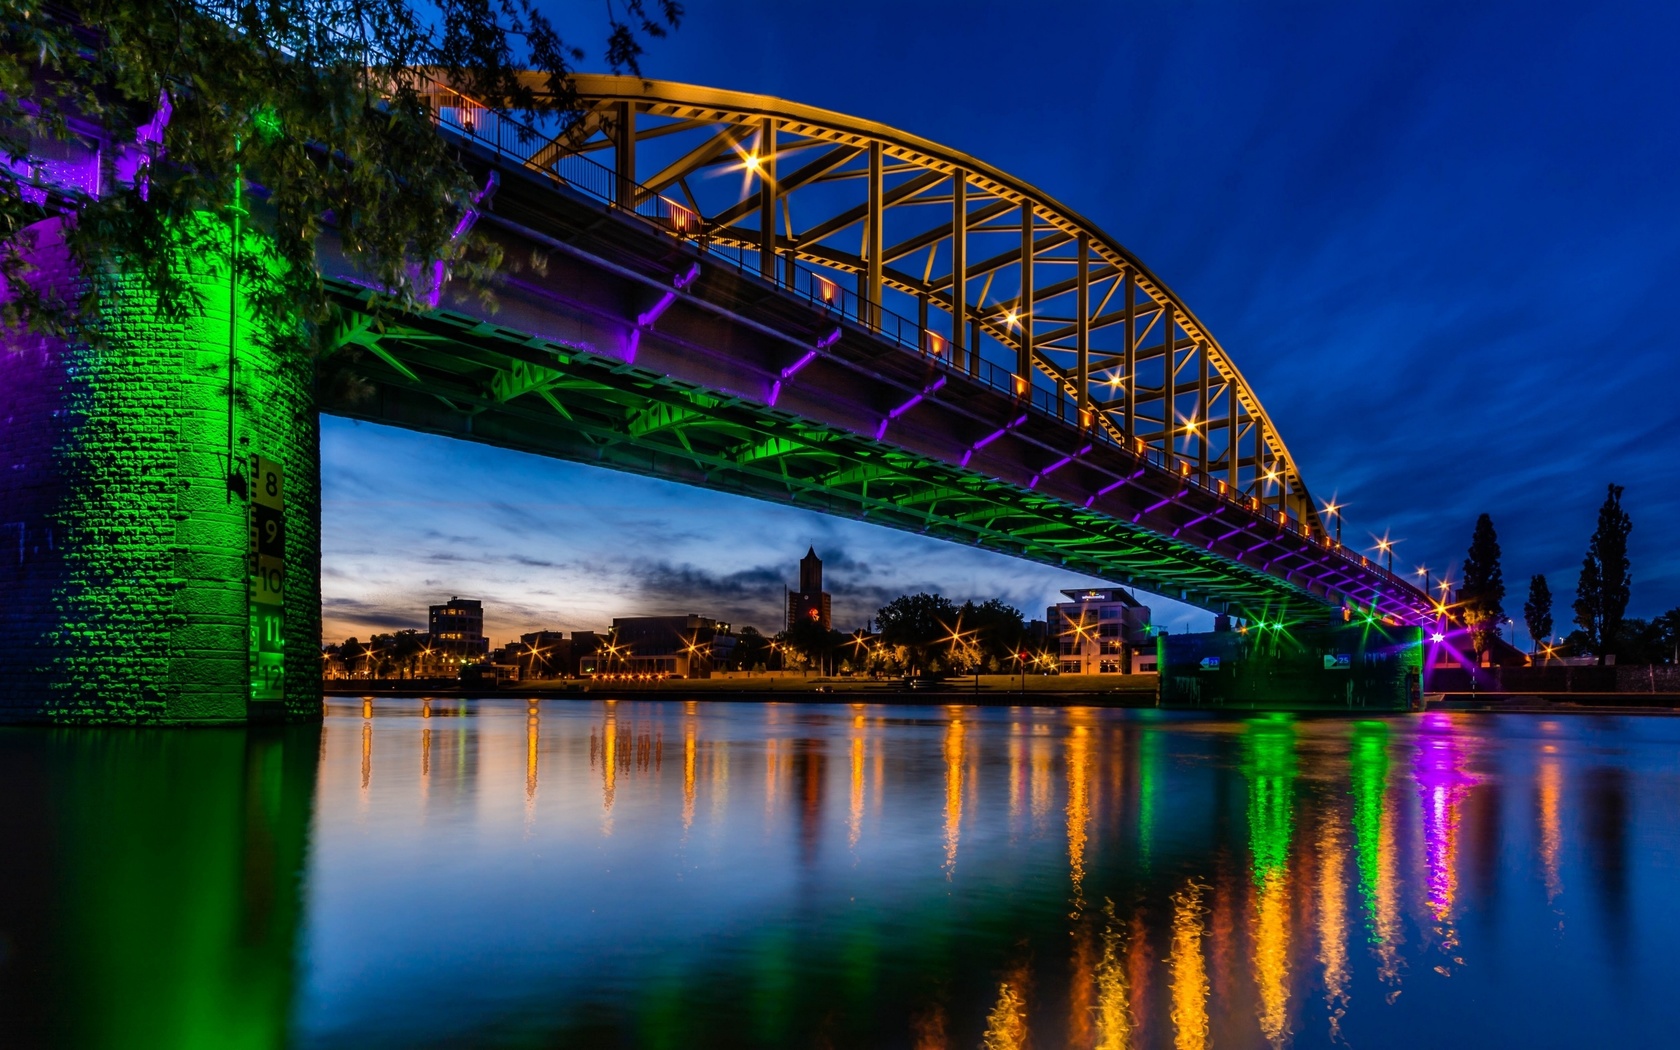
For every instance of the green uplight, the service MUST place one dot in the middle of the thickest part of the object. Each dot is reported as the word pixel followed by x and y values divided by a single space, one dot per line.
pixel 153 463
pixel 267 122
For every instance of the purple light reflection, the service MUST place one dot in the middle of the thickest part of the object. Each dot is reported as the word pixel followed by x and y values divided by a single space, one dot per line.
pixel 1443 784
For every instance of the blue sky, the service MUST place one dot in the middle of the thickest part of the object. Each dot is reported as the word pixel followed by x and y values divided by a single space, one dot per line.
pixel 1441 241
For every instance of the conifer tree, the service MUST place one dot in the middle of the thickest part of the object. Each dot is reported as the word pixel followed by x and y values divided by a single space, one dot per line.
pixel 1601 596
pixel 1537 611
pixel 1482 595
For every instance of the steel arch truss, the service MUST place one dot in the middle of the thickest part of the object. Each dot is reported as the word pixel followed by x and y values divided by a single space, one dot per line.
pixel 893 218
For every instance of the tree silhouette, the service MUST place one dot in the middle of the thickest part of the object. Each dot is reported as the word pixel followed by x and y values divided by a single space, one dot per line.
pixel 914 623
pixel 813 641
pixel 752 651
pixel 1601 596
pixel 1482 595
pixel 998 628
pixel 1667 627
pixel 1537 611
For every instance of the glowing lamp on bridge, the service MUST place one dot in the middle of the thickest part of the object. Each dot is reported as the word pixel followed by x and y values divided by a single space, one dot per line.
pixel 827 291
pixel 935 344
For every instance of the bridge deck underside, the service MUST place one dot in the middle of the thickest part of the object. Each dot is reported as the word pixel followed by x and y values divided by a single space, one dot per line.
pixel 597 356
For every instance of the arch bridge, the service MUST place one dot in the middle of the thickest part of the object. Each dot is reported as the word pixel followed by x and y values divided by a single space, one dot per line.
pixel 722 289
pixel 1058 402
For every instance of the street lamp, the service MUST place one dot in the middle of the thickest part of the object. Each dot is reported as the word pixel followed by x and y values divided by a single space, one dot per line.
pixel 692 650
pixel 1335 511
pixel 1386 546
pixel 531 654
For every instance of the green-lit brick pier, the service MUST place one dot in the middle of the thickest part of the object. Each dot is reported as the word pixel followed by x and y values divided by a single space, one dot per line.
pixel 149 575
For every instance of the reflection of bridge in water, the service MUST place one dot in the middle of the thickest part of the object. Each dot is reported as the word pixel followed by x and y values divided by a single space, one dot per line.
pixel 1077 877
pixel 1305 883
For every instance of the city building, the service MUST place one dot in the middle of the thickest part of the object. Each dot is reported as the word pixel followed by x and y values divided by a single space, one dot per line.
pixel 456 629
pixel 724 644
pixel 810 602
pixel 674 646
pixel 589 653
pixel 546 654
pixel 1102 630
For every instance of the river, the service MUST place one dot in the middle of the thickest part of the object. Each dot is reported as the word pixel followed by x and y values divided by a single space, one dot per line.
pixel 706 874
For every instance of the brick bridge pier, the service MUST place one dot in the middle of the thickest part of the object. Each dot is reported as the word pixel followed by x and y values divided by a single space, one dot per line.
pixel 159 511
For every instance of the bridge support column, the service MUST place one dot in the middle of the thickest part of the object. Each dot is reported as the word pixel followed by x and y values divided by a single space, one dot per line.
pixel 127 538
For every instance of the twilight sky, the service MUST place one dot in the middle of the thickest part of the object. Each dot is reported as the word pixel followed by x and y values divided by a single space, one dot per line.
pixel 1440 241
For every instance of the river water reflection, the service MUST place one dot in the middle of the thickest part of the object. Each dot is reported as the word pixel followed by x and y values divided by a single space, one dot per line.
pixel 657 874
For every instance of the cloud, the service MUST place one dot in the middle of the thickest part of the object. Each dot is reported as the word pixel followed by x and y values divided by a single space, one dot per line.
pixel 369 615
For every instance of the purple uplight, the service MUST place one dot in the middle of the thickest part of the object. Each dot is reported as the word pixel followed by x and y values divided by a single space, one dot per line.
pixel 688 278
pixel 151 132
pixel 465 223
pixel 788 372
pixel 811 355
pixel 989 438
pixel 1193 522
pixel 881 431
pixel 651 314
pixel 1106 489
pixel 1152 508
pixel 1058 465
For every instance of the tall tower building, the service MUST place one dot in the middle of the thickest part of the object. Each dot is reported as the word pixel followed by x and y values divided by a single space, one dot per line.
pixel 810 602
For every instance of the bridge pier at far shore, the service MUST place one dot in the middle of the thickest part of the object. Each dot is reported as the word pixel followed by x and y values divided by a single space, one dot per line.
pixel 159 511
pixel 1359 667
